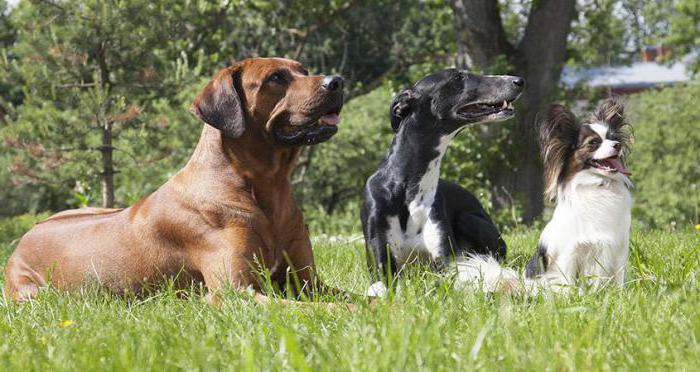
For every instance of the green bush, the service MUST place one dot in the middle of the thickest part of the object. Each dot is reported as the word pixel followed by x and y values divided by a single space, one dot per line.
pixel 664 160
pixel 339 167
pixel 11 229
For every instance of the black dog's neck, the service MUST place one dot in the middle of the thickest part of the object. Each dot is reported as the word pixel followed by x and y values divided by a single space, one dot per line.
pixel 415 157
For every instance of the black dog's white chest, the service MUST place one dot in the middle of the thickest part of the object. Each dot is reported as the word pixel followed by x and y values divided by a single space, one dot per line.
pixel 422 236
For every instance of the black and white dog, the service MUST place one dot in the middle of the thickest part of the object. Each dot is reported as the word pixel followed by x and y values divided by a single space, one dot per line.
pixel 587 239
pixel 408 213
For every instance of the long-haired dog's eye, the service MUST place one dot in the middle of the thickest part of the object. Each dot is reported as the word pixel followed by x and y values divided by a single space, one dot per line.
pixel 277 77
pixel 595 142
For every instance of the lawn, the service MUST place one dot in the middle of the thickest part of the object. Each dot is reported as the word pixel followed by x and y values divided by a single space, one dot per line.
pixel 652 323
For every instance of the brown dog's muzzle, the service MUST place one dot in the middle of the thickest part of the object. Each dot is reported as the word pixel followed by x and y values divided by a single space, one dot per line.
pixel 321 123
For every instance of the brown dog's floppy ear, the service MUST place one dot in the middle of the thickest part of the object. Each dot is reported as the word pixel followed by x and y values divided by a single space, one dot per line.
pixel 400 107
pixel 219 104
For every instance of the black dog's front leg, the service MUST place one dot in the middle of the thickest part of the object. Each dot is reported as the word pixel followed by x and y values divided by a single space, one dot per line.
pixel 381 263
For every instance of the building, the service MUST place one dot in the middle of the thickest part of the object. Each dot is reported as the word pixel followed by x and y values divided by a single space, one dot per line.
pixel 639 76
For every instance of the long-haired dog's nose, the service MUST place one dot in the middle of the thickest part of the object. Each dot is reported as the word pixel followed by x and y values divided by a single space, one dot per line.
pixel 617 146
pixel 332 83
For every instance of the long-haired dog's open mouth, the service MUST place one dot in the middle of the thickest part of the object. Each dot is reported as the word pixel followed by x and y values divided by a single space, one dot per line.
pixel 611 165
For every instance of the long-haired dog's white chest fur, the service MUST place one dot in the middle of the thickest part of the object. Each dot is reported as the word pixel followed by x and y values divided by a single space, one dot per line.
pixel 588 235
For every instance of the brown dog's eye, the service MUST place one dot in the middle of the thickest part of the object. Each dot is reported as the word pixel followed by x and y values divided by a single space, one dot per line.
pixel 277 78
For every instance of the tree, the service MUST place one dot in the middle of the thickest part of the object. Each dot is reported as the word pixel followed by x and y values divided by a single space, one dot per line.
pixel 88 69
pixel 8 35
pixel 539 56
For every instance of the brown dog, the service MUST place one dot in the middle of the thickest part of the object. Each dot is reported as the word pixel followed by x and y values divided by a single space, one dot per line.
pixel 227 213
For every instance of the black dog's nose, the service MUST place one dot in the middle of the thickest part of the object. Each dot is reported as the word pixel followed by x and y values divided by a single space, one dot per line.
pixel 332 83
pixel 519 81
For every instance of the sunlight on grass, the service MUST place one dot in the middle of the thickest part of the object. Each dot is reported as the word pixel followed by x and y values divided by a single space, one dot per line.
pixel 652 323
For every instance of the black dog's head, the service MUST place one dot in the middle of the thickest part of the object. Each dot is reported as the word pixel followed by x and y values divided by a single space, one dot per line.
pixel 455 98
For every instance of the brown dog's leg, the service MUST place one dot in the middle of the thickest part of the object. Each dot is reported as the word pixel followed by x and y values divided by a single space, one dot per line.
pixel 22 283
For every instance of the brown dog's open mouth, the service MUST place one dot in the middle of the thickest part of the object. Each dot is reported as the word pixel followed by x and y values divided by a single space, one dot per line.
pixel 480 109
pixel 316 131
pixel 330 119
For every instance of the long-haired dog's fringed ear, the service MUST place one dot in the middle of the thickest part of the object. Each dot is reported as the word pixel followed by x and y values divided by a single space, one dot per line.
pixel 559 130
pixel 611 111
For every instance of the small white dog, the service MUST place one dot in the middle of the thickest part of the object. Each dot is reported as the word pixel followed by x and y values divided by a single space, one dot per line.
pixel 587 239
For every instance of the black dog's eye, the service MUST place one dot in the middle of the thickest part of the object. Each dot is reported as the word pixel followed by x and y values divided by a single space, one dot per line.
pixel 277 77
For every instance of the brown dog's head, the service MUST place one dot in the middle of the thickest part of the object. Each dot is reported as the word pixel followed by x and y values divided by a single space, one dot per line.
pixel 274 97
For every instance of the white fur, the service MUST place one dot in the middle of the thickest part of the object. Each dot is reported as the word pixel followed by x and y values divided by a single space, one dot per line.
pixel 587 238
pixel 377 289
pixel 607 147
pixel 422 237
pixel 485 273
pixel 588 235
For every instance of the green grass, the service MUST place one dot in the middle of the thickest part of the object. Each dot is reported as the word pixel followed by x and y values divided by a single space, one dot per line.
pixel 652 323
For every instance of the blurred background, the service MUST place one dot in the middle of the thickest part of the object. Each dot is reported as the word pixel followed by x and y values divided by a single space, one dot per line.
pixel 94 94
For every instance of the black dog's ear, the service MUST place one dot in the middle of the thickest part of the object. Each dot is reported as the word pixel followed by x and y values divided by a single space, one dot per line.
pixel 559 131
pixel 219 104
pixel 400 108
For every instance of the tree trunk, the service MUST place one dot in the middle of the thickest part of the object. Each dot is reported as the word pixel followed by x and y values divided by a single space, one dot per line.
pixel 539 58
pixel 106 149
pixel 107 167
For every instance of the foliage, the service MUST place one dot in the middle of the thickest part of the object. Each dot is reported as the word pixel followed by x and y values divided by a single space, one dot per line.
pixel 650 324
pixel 89 70
pixel 339 167
pixel 664 159
pixel 684 30
pixel 56 124
pixel 51 135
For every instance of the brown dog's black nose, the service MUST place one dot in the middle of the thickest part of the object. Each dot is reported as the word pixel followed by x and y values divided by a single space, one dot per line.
pixel 332 83
pixel 519 81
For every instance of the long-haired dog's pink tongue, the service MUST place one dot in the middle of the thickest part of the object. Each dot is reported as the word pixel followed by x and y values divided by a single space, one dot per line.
pixel 617 164
pixel 330 119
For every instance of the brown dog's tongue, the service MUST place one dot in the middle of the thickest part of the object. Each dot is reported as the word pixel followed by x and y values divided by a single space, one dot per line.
pixel 617 164
pixel 330 119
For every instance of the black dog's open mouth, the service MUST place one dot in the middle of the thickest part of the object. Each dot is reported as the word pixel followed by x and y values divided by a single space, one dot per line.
pixel 316 131
pixel 611 165
pixel 477 110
